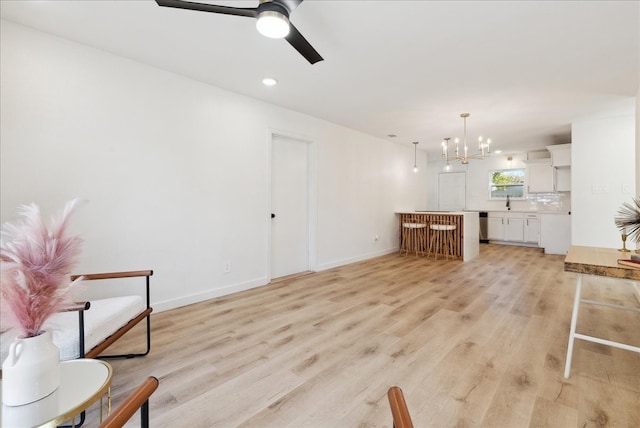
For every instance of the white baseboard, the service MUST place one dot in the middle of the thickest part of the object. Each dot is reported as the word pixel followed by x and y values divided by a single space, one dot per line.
pixel 338 263
pixel 212 294
pixel 235 288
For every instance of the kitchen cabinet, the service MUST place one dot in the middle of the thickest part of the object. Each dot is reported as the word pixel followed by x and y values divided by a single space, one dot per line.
pixel 495 227
pixel 513 229
pixel 549 231
pixel 563 179
pixel 550 175
pixel 532 228
pixel 561 162
pixel 560 155
pixel 506 226
pixel 540 176
pixel 555 233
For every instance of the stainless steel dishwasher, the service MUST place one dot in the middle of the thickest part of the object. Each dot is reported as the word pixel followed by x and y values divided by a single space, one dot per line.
pixel 484 233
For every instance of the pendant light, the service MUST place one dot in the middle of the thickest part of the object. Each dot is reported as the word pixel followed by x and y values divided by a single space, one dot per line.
pixel 415 156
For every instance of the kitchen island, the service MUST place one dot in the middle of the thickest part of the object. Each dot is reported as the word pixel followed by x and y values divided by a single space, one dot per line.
pixel 465 236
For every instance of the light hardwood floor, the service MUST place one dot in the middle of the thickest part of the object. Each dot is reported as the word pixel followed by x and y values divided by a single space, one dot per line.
pixel 480 343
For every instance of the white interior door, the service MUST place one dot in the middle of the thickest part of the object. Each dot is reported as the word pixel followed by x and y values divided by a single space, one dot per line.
pixel 289 206
pixel 452 191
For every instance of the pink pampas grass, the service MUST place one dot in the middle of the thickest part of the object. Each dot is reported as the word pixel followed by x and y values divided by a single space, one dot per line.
pixel 35 266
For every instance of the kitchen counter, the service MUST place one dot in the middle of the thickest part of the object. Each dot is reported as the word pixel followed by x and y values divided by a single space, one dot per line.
pixel 553 212
pixel 438 212
pixel 467 244
pixel 528 212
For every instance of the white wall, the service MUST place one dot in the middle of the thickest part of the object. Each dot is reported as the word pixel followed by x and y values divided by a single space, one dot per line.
pixel 176 172
pixel 636 286
pixel 603 174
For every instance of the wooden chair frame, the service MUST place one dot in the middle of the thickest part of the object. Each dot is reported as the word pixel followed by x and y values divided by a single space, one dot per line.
pixel 399 410
pixel 101 347
pixel 138 399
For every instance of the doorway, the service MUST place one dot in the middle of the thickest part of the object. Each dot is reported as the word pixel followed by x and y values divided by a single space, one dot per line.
pixel 290 206
pixel 452 193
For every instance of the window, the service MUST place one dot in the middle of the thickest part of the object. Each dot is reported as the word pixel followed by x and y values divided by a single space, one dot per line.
pixel 506 182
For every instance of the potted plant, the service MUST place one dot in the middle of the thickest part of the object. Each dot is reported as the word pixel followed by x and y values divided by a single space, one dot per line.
pixel 35 263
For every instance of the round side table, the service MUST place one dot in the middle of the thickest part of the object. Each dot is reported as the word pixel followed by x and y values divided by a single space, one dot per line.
pixel 82 383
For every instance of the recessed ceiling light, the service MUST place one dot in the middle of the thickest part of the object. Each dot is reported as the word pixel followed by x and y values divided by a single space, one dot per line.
pixel 497 152
pixel 391 135
pixel 269 81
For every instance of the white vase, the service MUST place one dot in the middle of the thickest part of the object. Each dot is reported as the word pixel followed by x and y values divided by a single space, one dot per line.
pixel 31 371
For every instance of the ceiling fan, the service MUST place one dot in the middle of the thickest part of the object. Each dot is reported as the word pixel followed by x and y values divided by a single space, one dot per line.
pixel 272 16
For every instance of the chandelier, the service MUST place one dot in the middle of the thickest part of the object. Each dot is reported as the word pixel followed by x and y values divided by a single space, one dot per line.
pixel 484 148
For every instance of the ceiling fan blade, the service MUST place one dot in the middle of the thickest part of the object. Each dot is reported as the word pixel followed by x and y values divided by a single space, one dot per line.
pixel 294 37
pixel 203 7
pixel 301 44
pixel 290 4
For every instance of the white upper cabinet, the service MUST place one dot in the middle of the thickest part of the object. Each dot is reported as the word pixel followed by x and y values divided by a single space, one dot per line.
pixel 561 161
pixel 540 176
pixel 563 179
pixel 560 155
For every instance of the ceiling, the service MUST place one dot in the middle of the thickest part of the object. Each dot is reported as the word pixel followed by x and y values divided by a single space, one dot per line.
pixel 523 70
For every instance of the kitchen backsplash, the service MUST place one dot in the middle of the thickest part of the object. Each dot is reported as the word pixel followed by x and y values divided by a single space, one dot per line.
pixel 543 202
pixel 534 202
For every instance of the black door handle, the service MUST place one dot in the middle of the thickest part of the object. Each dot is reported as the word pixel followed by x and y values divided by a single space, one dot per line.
pixel 273 215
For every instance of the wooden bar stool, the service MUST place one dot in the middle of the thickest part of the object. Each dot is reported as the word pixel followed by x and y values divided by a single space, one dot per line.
pixel 413 237
pixel 442 240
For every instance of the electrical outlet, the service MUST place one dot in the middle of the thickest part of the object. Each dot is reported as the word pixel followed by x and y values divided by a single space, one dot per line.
pixel 227 267
pixel 599 188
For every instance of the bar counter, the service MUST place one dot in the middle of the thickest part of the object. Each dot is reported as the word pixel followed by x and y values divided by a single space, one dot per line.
pixel 466 234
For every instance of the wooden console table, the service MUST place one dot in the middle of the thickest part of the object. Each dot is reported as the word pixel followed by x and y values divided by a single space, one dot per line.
pixel 597 262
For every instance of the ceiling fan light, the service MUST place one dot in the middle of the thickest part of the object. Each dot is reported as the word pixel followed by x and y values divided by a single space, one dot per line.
pixel 272 24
